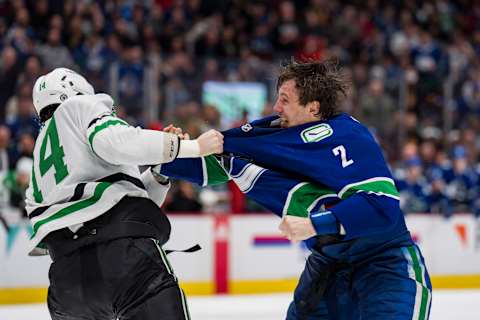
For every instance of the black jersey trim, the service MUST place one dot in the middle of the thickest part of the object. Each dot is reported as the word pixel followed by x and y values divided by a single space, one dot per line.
pixel 98 119
pixel 119 176
pixel 80 189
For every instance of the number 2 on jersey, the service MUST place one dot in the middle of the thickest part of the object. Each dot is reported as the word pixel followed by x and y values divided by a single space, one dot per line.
pixel 56 156
pixel 342 152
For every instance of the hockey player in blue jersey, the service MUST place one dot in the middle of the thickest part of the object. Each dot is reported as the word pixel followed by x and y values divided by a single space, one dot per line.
pixel 364 264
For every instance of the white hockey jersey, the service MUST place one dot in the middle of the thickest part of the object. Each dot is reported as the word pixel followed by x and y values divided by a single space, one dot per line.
pixel 86 160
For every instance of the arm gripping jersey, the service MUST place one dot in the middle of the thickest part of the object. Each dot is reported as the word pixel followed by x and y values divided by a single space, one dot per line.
pixel 85 161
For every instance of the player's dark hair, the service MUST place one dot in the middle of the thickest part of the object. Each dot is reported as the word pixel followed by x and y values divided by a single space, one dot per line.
pixel 47 112
pixel 319 81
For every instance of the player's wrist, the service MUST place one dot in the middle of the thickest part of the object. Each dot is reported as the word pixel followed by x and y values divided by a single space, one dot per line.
pixel 189 149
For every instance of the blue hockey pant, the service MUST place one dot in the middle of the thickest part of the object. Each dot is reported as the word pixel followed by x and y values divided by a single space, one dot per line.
pixel 393 284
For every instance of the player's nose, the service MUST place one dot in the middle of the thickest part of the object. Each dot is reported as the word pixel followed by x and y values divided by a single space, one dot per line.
pixel 277 108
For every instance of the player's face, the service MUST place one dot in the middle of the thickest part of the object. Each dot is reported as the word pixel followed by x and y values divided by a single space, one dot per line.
pixel 288 107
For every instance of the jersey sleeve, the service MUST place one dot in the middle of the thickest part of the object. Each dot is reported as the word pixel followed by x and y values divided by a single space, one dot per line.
pixel 118 143
pixel 203 171
pixel 278 192
pixel 114 140
pixel 30 203
pixel 156 191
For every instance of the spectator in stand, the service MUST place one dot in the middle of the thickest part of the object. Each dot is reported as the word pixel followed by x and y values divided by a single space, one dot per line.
pixel 211 118
pixel 53 53
pixel 130 81
pixel 377 108
pixel 4 166
pixel 428 153
pixel 24 147
pixel 437 198
pixel 461 182
pixel 413 188
pixel 22 118
pixel 414 65
pixel 33 69
pixel 21 32
pixel 3 31
pixel 184 199
pixel 9 72
pixel 23 170
pixel 40 14
pixel 287 31
pixel 469 100
pixel 428 58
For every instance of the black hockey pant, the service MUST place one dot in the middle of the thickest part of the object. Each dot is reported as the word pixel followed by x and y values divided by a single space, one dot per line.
pixel 126 278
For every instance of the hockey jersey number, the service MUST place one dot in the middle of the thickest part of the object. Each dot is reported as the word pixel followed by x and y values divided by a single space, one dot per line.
pixel 56 156
pixel 342 152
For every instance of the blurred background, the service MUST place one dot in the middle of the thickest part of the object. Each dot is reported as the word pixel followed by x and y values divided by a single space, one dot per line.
pixel 414 68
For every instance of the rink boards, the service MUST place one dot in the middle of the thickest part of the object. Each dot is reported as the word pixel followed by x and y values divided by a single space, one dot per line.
pixel 247 254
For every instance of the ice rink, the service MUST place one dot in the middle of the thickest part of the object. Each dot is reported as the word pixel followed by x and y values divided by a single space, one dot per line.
pixel 447 305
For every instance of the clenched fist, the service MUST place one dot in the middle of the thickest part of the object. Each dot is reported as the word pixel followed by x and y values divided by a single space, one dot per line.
pixel 210 142
pixel 297 228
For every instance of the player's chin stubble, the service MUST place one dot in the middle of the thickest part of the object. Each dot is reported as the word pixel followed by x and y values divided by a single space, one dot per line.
pixel 283 123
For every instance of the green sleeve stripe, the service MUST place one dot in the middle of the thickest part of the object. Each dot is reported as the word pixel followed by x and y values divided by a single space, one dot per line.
pixel 303 197
pixel 97 194
pixel 102 126
pixel 213 171
pixel 380 186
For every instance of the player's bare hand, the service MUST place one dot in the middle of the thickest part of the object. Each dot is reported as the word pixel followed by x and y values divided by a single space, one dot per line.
pixel 210 142
pixel 297 228
pixel 177 131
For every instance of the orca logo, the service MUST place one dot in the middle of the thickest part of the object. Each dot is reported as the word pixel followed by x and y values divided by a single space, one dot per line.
pixel 246 127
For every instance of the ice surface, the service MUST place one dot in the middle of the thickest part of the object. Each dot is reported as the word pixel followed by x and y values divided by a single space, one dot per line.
pixel 447 305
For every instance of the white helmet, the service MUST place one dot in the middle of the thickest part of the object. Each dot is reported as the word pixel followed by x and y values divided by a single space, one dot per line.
pixel 57 86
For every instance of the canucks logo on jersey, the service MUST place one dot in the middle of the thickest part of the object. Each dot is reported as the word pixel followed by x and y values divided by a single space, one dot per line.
pixel 316 133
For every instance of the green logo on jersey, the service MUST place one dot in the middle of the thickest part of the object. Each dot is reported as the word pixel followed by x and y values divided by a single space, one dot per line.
pixel 316 133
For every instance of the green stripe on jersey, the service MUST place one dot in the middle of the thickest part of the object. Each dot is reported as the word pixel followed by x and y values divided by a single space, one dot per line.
pixel 419 277
pixel 102 126
pixel 382 186
pixel 97 194
pixel 303 197
pixel 215 173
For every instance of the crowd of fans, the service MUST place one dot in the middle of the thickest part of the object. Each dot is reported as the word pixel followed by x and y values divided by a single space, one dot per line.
pixel 414 68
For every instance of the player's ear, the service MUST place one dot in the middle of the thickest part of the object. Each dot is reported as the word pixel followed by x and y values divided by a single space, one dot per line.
pixel 313 108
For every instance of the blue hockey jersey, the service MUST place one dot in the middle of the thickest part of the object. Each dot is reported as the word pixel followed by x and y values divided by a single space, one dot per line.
pixel 280 193
pixel 339 153
pixel 338 158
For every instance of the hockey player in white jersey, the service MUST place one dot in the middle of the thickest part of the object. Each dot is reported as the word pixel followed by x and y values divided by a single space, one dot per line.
pixel 95 213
